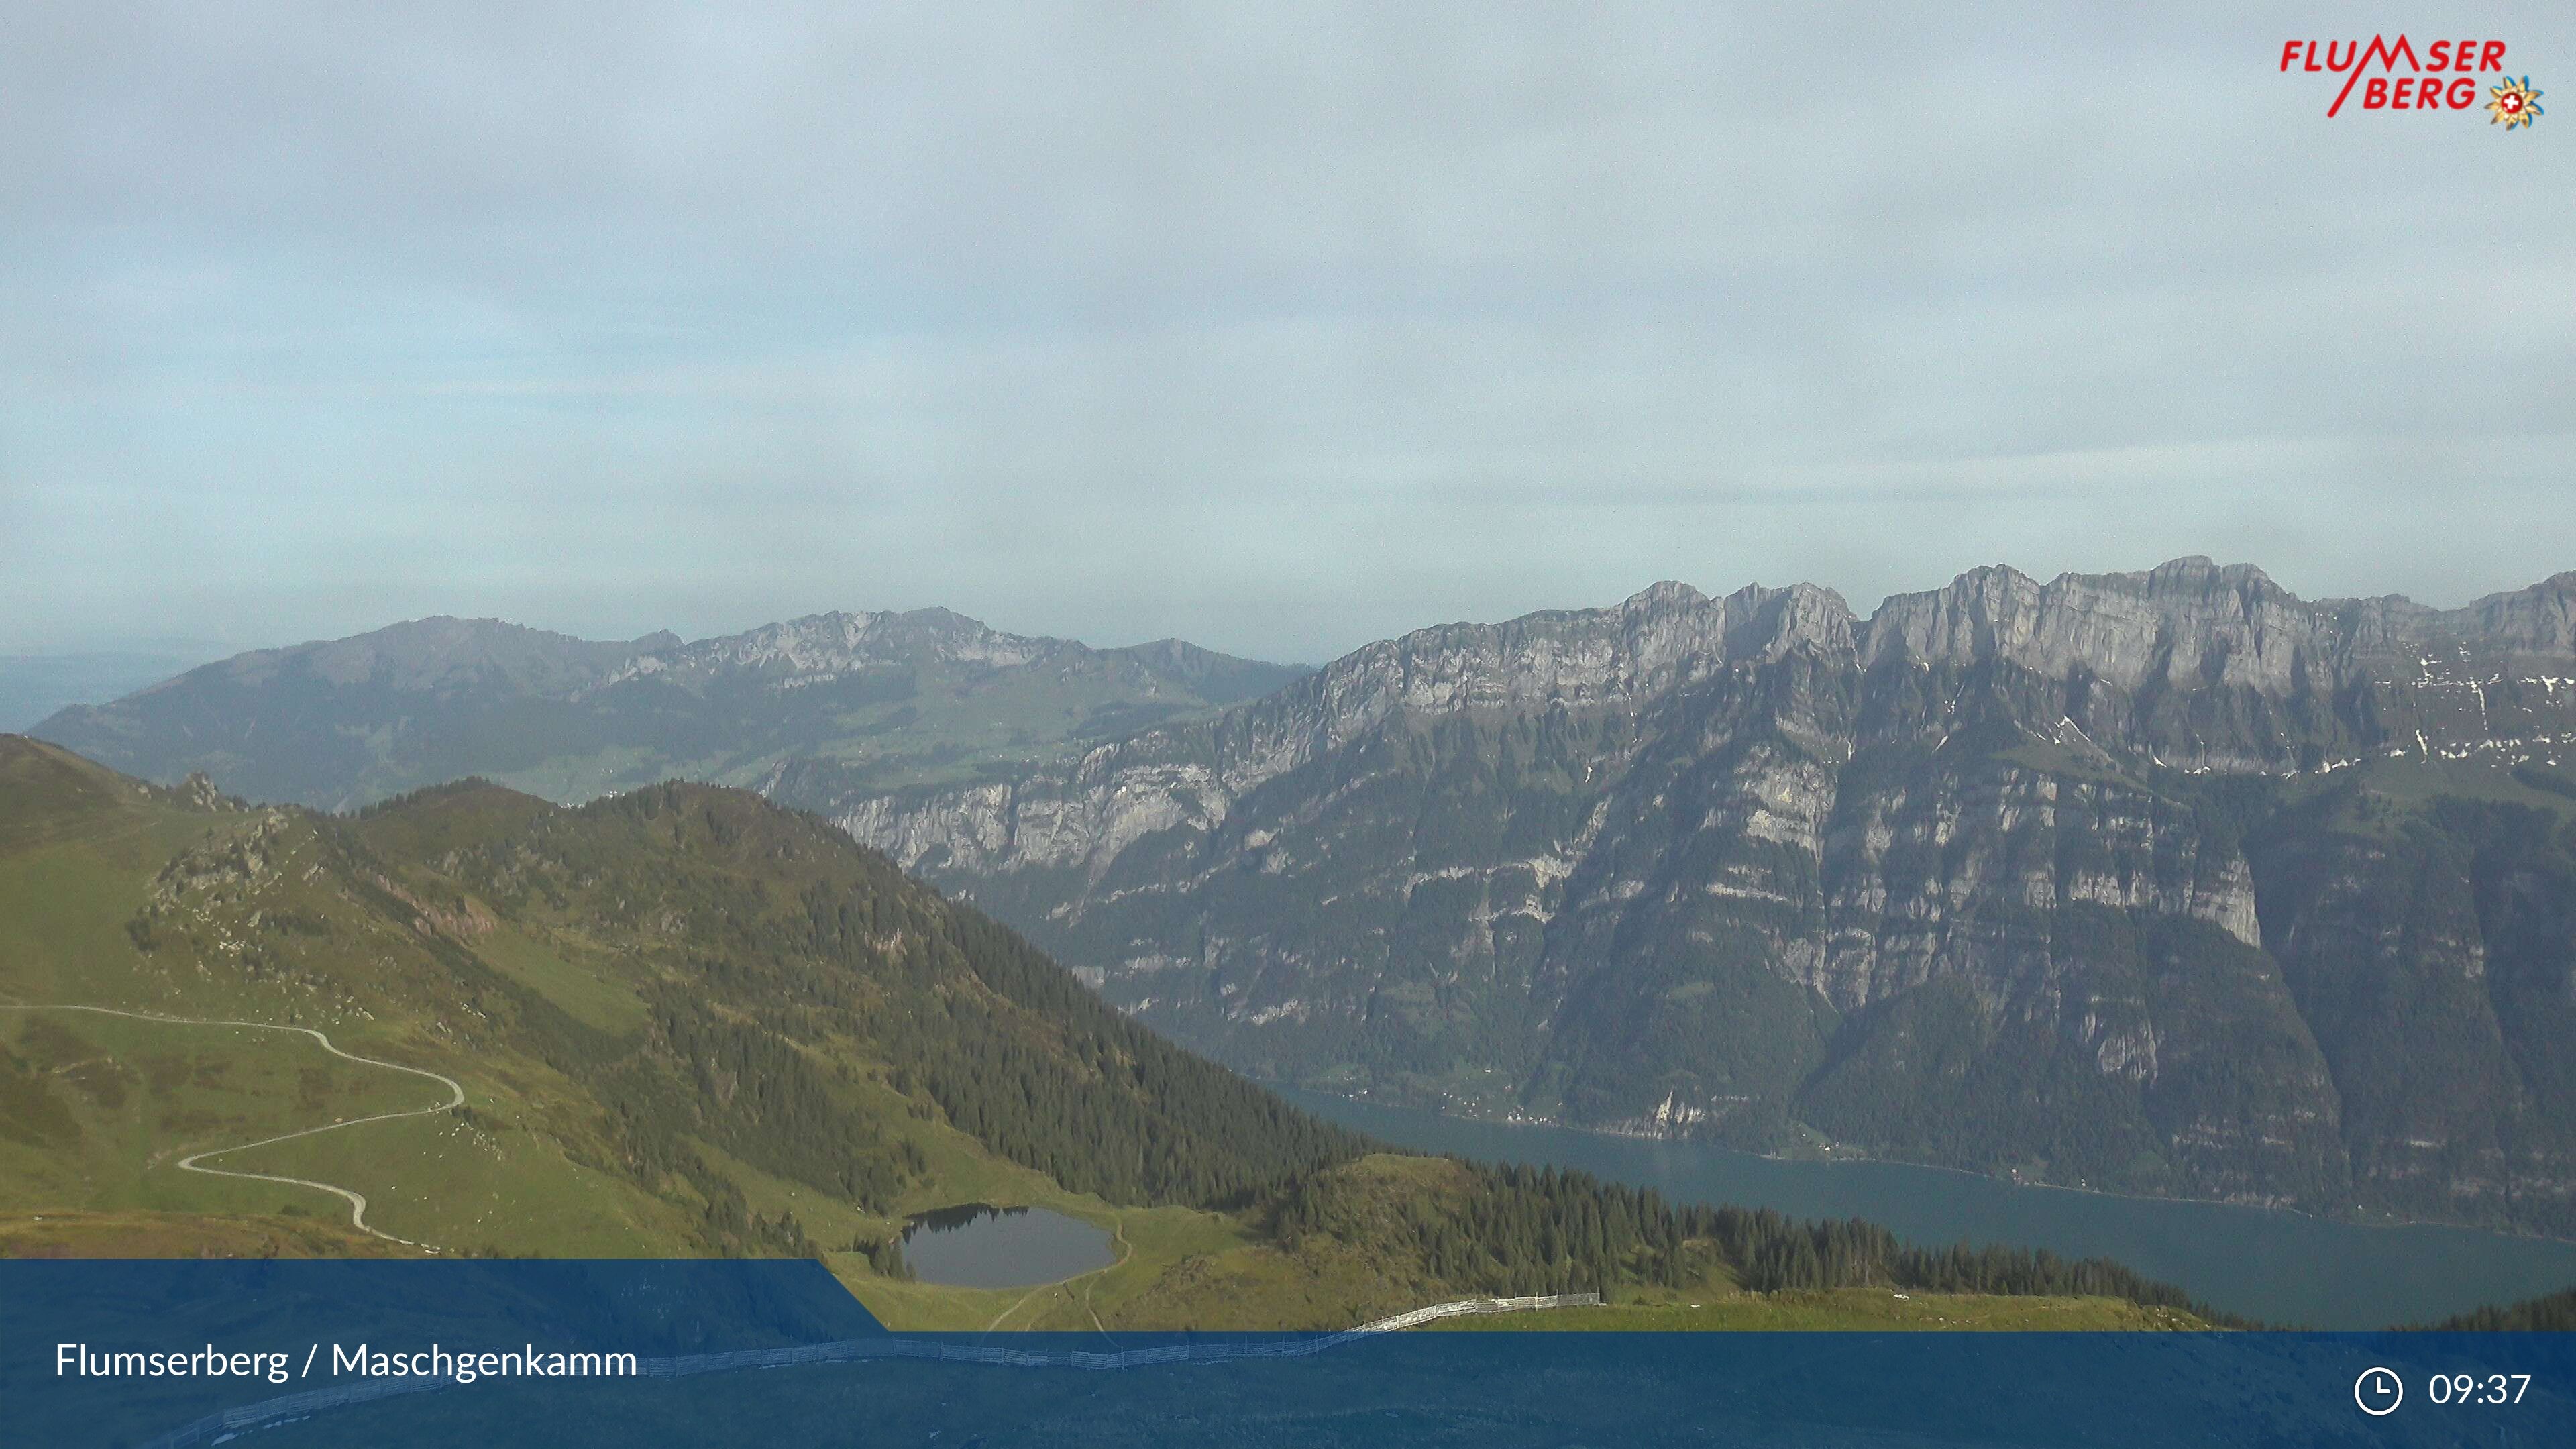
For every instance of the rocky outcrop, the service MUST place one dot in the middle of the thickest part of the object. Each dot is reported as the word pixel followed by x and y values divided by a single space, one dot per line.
pixel 823 646
pixel 1981 878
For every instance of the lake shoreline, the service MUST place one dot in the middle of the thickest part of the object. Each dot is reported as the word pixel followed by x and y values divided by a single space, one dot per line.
pixel 2275 1265
pixel 1859 1158
pixel 980 1245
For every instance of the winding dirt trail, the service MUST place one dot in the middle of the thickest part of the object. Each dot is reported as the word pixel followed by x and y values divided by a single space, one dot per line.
pixel 1127 1251
pixel 357 1201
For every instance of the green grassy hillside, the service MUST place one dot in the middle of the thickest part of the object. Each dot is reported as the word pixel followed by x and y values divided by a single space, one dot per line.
pixel 685 1021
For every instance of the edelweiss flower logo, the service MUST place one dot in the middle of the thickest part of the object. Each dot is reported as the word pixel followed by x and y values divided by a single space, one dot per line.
pixel 2515 104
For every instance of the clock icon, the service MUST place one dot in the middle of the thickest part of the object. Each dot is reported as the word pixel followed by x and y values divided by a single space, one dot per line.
pixel 2378 1391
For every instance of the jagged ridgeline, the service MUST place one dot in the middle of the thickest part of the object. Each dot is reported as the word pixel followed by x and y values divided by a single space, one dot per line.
pixel 2166 882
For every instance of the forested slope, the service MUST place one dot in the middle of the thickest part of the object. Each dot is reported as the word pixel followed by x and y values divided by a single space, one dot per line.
pixel 688 1021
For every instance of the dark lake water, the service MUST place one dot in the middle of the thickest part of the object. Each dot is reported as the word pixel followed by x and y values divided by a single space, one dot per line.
pixel 976 1246
pixel 2280 1267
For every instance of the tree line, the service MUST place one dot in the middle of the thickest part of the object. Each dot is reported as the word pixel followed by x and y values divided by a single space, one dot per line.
pixel 1518 1229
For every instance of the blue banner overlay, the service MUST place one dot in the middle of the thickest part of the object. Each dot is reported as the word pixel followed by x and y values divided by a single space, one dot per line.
pixel 563 1354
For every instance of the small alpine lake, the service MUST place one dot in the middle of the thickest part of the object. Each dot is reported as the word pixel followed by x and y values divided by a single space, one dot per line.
pixel 2281 1267
pixel 977 1245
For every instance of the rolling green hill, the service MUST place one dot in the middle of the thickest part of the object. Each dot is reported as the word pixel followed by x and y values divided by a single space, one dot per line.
pixel 686 1021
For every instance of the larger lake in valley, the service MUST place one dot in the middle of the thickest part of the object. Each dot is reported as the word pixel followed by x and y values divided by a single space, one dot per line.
pixel 2281 1267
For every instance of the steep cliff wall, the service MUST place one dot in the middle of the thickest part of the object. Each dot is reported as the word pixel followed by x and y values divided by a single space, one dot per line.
pixel 2090 879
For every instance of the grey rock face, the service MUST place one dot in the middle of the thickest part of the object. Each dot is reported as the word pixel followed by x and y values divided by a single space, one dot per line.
pixel 1978 879
pixel 826 646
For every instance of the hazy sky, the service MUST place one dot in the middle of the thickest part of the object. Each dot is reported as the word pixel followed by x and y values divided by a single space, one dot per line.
pixel 1277 327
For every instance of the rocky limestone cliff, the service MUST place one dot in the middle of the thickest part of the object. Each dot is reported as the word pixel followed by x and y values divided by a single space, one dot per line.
pixel 825 646
pixel 1981 879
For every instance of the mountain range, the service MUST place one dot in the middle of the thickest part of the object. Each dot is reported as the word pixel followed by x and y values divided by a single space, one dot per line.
pixel 2165 882
pixel 865 701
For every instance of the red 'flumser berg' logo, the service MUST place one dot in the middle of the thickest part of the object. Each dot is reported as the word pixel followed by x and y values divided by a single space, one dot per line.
pixel 2446 76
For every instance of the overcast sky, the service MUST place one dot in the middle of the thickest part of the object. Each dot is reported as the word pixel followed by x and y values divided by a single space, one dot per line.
pixel 1276 327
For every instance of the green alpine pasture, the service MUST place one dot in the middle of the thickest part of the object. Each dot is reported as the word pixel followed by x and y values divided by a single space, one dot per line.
pixel 688 1022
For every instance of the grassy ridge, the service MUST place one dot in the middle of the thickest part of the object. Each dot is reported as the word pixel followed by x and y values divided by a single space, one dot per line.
pixel 688 1022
